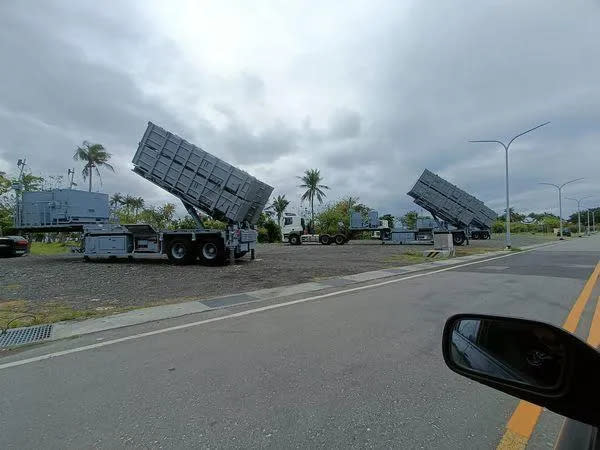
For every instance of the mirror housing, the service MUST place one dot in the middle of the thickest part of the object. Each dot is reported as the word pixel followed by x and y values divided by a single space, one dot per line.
pixel 531 360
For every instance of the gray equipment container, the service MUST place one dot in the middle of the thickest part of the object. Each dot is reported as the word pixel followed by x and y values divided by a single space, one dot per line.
pixel 451 204
pixel 60 210
pixel 198 178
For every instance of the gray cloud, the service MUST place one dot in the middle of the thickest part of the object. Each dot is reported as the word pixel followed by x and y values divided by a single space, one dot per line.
pixel 371 96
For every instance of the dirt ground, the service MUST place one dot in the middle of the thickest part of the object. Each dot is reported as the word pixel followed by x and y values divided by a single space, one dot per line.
pixel 66 281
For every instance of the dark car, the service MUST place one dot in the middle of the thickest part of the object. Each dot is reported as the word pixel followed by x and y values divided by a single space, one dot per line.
pixel 566 232
pixel 13 246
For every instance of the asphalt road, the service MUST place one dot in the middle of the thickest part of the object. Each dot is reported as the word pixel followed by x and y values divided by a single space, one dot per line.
pixel 358 369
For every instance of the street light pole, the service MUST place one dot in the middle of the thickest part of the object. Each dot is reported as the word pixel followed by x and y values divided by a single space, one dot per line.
pixel 588 223
pixel 579 211
pixel 506 147
pixel 559 187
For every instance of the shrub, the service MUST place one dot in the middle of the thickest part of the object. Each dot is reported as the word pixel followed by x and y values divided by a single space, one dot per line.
pixel 273 231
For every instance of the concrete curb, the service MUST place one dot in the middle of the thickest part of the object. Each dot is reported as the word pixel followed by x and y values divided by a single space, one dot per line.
pixel 63 330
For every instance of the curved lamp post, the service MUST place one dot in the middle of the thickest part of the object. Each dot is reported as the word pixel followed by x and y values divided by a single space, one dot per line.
pixel 506 147
pixel 559 187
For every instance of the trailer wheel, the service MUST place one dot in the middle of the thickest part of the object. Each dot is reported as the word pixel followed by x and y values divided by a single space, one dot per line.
pixel 340 239
pixel 486 235
pixel 212 252
pixel 475 235
pixel 294 239
pixel 325 239
pixel 180 252
pixel 458 238
pixel 238 255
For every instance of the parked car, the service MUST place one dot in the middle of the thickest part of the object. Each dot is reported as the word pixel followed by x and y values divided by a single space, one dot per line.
pixel 13 246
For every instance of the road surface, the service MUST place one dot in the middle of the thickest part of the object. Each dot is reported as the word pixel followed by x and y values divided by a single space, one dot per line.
pixel 357 369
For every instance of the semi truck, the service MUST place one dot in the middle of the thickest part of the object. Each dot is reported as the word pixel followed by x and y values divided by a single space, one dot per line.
pixel 200 180
pixel 294 229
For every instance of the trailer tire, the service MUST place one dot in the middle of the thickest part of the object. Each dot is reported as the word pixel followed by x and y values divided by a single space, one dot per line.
pixel 340 239
pixel 458 238
pixel 475 235
pixel 325 239
pixel 294 239
pixel 180 252
pixel 212 252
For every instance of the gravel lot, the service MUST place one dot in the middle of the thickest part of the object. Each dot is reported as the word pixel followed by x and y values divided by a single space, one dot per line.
pixel 112 285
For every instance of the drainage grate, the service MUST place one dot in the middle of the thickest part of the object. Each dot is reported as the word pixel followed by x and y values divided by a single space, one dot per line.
pixel 27 335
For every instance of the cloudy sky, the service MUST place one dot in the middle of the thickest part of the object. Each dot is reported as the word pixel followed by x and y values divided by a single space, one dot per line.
pixel 371 92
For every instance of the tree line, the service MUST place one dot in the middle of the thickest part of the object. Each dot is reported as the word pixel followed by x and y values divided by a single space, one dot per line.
pixel 126 208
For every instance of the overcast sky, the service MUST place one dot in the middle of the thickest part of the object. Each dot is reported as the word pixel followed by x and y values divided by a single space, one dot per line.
pixel 370 92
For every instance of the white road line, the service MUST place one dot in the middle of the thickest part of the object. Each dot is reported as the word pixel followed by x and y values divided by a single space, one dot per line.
pixel 248 312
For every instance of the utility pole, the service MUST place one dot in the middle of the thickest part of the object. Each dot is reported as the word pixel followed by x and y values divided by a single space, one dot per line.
pixel 579 210
pixel 559 187
pixel 588 222
pixel 506 147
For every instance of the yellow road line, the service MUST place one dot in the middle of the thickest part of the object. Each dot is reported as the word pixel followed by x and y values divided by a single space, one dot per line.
pixel 523 420
pixel 594 336
pixel 575 314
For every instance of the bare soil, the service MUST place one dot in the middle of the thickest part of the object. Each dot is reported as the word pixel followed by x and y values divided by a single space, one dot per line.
pixel 66 281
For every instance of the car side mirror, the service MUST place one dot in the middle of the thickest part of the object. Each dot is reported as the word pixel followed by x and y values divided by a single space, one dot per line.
pixel 532 360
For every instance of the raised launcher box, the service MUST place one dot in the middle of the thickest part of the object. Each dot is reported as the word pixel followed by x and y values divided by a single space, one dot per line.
pixel 198 178
pixel 61 210
pixel 450 203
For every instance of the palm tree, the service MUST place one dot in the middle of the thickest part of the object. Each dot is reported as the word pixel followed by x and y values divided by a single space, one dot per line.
pixel 311 180
pixel 128 203
pixel 137 204
pixel 279 205
pixel 116 200
pixel 94 156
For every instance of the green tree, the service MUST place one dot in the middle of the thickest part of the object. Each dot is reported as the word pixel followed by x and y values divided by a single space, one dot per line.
pixel 336 216
pixel 514 216
pixel 116 200
pixel 95 157
pixel 409 220
pixel 30 182
pixel 4 183
pixel 311 181
pixel 279 205
pixel 389 218
pixel 158 217
pixel 137 203
pixel 185 223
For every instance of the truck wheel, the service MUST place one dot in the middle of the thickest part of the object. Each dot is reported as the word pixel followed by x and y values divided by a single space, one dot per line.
pixel 475 235
pixel 294 239
pixel 340 239
pixel 458 238
pixel 180 252
pixel 238 255
pixel 212 252
pixel 486 235
pixel 325 239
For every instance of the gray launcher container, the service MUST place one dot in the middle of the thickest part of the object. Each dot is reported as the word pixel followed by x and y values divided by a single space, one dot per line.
pixel 198 178
pixel 61 209
pixel 450 203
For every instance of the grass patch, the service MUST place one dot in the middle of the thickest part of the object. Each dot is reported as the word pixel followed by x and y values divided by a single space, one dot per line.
pixel 471 250
pixel 409 257
pixel 20 314
pixel 51 248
